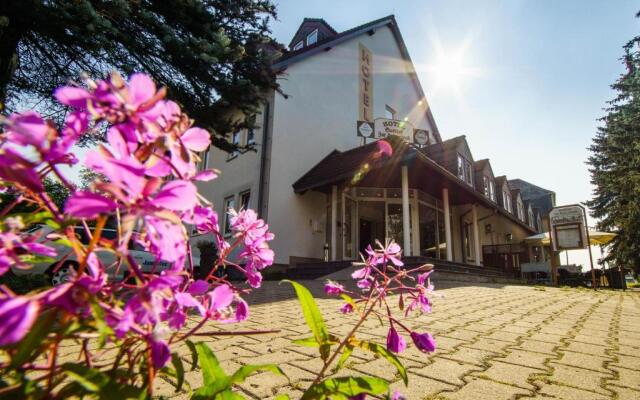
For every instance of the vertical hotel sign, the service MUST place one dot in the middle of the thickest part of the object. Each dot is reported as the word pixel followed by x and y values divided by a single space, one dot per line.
pixel 366 84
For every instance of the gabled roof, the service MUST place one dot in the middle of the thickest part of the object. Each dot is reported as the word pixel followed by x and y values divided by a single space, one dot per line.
pixel 446 152
pixel 326 44
pixel 371 162
pixel 540 198
pixel 312 23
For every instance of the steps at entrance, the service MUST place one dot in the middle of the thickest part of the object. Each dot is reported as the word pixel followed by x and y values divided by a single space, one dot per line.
pixel 445 270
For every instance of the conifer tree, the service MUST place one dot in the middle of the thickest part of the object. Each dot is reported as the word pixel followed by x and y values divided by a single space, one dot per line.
pixel 615 165
pixel 212 55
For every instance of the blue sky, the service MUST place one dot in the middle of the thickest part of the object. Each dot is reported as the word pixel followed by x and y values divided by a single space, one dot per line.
pixel 533 76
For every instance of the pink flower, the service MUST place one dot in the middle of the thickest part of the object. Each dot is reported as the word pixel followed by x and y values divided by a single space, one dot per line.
pixel 17 315
pixel 160 353
pixel 391 253
pixel 346 308
pixel 88 205
pixel 397 396
pixel 395 342
pixel 333 288
pixel 13 245
pixel 424 342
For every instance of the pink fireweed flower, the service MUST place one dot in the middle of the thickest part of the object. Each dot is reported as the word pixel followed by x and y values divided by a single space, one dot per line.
pixel 346 308
pixel 14 245
pixel 391 253
pixel 397 396
pixel 395 341
pixel 424 342
pixel 17 315
pixel 333 288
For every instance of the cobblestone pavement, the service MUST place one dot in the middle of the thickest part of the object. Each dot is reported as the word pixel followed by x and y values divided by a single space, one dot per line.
pixel 494 342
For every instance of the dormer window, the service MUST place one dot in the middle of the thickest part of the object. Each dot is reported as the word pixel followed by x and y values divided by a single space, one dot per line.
pixel 506 199
pixel 489 188
pixel 531 222
pixel 298 45
pixel 312 38
pixel 520 209
pixel 465 172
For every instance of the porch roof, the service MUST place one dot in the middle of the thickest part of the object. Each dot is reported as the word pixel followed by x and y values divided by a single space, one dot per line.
pixel 377 164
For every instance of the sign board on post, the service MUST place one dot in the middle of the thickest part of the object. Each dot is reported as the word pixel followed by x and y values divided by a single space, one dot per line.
pixel 421 137
pixel 365 129
pixel 390 127
pixel 568 228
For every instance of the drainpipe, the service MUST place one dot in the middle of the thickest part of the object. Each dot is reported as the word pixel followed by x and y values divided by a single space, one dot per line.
pixel 263 159
pixel 334 222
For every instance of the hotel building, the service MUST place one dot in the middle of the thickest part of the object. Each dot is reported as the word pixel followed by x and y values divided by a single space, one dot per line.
pixel 327 186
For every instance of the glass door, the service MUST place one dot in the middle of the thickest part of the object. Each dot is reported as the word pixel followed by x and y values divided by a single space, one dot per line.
pixel 349 228
pixel 394 222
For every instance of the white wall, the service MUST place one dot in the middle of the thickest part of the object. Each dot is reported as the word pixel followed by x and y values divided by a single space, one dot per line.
pixel 319 116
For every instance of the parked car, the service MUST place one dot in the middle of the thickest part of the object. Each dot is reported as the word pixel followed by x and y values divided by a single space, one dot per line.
pixel 630 280
pixel 60 270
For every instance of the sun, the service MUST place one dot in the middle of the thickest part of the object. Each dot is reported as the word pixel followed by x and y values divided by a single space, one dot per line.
pixel 451 69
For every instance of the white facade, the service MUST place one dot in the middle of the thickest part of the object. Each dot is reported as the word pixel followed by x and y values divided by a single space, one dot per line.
pixel 314 113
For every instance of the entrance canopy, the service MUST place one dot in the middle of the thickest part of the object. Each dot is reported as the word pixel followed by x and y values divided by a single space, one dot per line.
pixel 378 164
pixel 596 238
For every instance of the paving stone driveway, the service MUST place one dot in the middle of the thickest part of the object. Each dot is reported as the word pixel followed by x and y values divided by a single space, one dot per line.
pixel 494 342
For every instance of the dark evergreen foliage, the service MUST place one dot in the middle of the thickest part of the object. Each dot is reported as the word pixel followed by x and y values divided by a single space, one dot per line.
pixel 213 55
pixel 615 165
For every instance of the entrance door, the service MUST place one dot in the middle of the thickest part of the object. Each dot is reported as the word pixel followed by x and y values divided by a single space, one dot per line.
pixel 349 228
pixel 371 225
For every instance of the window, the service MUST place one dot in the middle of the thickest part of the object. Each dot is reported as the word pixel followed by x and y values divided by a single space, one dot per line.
pixel 245 197
pixel 235 139
pixel 492 188
pixel 507 200
pixel 298 46
pixel 468 240
pixel 229 203
pixel 251 136
pixel 489 188
pixel 204 159
pixel 465 172
pixel 312 38
pixel 520 209
pixel 530 215
pixel 390 112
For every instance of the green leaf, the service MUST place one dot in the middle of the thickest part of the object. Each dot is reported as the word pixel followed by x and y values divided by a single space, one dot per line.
pixel 282 397
pixel 211 369
pixel 177 364
pixel 90 379
pixel 308 342
pixel 194 354
pixel 27 348
pixel 345 387
pixel 392 358
pixel 346 353
pixel 243 372
pixel 104 330
pixel 313 316
pixel 229 395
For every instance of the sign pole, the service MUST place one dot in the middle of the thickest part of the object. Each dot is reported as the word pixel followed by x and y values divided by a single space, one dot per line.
pixel 554 267
pixel 593 272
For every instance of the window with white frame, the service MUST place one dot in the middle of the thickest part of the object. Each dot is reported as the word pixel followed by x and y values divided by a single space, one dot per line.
pixel 465 171
pixel 520 208
pixel 390 112
pixel 492 189
pixel 506 199
pixel 530 215
pixel 298 46
pixel 229 204
pixel 251 136
pixel 235 139
pixel 312 38
pixel 204 159
pixel 245 198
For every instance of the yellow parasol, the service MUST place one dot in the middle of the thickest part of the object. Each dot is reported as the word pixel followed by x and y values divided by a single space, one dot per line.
pixel 596 238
